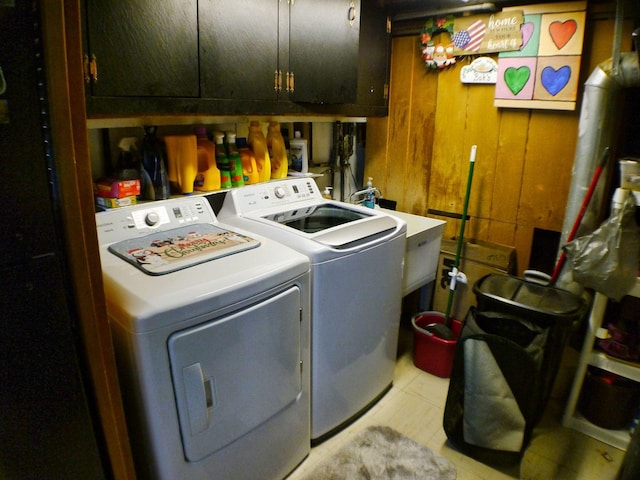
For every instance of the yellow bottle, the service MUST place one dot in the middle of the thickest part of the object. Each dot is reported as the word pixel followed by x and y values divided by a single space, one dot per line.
pixel 258 143
pixel 249 166
pixel 208 177
pixel 182 154
pixel 277 151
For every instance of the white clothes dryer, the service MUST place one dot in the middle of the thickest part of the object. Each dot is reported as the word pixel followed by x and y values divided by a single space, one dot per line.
pixel 211 331
pixel 356 256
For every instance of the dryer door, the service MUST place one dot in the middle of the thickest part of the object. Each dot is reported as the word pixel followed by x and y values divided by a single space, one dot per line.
pixel 233 373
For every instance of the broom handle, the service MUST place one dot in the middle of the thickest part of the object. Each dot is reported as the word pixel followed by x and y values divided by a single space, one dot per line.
pixel 456 263
pixel 583 208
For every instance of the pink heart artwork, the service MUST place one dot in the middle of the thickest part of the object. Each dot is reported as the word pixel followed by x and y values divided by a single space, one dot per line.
pixel 527 32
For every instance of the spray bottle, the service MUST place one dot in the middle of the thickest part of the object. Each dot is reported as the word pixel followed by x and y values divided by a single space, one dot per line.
pixel 154 171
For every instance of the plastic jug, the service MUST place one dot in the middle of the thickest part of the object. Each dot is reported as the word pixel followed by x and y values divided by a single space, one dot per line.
pixel 222 161
pixel 153 172
pixel 182 153
pixel 235 161
pixel 299 153
pixel 249 167
pixel 277 151
pixel 208 177
pixel 258 143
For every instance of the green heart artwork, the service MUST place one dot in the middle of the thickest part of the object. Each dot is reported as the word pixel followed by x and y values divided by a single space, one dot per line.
pixel 516 78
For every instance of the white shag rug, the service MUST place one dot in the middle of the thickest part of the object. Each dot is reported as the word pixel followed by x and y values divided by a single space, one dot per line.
pixel 381 453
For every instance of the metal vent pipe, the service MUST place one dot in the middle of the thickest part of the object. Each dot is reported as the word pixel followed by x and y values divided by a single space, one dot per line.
pixel 595 133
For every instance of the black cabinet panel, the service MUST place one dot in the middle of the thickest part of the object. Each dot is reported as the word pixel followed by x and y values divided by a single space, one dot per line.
pixel 374 55
pixel 143 48
pixel 323 50
pixel 239 48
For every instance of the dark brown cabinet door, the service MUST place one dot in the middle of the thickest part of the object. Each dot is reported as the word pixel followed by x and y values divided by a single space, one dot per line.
pixel 143 48
pixel 323 50
pixel 239 48
pixel 375 50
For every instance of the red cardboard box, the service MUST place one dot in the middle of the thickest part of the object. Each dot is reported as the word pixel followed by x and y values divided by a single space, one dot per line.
pixel 113 188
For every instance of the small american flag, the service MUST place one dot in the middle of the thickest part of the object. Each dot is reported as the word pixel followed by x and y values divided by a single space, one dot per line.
pixel 471 38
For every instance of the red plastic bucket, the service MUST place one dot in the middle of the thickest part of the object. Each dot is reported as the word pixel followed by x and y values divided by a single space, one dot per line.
pixel 430 353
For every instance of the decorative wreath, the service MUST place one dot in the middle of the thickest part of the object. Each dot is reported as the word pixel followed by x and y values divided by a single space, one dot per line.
pixel 437 56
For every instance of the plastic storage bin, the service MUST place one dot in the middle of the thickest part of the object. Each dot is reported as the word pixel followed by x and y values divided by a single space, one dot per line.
pixel 430 353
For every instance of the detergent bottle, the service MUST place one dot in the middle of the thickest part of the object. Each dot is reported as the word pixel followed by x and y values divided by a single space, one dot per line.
pixel 299 153
pixel 258 143
pixel 208 177
pixel 235 161
pixel 222 161
pixel 249 168
pixel 277 151
pixel 154 176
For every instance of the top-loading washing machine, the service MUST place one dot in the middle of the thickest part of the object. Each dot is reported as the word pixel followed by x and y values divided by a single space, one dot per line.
pixel 211 327
pixel 356 256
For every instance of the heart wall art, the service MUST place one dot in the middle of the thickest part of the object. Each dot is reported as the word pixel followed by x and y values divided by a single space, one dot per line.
pixel 544 72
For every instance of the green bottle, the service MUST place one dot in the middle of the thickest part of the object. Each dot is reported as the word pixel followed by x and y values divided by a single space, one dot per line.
pixel 222 161
pixel 235 161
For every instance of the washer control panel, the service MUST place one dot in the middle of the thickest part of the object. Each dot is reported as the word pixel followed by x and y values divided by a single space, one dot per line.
pixel 138 220
pixel 276 193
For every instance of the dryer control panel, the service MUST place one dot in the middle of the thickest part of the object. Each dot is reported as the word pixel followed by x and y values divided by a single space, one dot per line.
pixel 138 220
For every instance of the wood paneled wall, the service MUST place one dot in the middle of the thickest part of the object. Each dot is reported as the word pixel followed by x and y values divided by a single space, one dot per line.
pixel 419 154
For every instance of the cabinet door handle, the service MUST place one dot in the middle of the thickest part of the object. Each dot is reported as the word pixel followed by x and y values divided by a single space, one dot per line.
pixel 290 82
pixel 352 14
pixel 275 81
pixel 93 68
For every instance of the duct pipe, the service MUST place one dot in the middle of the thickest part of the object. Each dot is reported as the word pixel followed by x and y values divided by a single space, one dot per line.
pixel 595 133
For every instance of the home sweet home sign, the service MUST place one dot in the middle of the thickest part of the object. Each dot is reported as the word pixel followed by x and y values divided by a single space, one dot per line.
pixel 544 72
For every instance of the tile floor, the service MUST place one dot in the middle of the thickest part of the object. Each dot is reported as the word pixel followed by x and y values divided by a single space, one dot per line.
pixel 414 406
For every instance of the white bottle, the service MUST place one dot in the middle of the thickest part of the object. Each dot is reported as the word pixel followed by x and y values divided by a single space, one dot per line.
pixel 298 154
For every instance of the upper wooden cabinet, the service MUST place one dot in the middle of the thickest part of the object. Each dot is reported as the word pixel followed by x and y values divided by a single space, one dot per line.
pixel 141 48
pixel 228 57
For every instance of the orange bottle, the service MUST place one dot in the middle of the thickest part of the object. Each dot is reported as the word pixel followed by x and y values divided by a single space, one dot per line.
pixel 208 177
pixel 277 151
pixel 249 166
pixel 258 143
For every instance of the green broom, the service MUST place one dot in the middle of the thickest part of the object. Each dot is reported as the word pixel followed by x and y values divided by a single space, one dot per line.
pixel 455 274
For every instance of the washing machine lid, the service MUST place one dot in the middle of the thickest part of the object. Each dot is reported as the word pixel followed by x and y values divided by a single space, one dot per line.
pixel 295 207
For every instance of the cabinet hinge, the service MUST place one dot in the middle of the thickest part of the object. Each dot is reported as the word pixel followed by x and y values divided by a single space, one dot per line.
pixel 388 24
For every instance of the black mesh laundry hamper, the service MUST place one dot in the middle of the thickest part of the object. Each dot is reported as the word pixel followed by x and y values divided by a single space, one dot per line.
pixel 505 363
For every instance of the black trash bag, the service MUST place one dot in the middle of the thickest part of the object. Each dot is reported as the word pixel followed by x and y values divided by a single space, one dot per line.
pixel 607 259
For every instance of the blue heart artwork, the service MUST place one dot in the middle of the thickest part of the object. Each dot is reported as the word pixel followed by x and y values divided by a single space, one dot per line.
pixel 555 80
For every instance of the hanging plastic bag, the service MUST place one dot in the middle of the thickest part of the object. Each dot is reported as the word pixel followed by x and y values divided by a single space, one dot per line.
pixel 607 259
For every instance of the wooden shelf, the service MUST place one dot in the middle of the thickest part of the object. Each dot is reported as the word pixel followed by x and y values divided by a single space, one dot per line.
pixel 589 356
